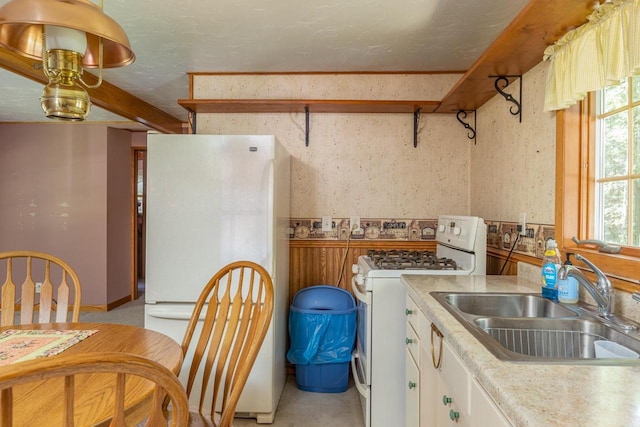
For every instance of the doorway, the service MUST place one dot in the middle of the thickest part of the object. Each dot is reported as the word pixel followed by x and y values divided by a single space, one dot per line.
pixel 140 208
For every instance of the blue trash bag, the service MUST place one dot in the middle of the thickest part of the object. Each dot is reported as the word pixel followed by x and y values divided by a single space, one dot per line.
pixel 322 335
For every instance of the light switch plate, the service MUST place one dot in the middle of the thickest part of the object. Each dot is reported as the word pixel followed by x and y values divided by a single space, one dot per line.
pixel 326 223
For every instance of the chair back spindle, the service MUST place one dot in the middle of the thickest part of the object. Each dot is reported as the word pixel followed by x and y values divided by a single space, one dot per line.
pixel 59 291
pixel 238 305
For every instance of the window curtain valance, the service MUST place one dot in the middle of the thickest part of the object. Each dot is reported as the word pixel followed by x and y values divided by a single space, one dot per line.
pixel 602 52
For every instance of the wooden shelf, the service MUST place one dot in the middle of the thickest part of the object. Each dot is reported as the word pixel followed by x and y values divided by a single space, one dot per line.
pixel 519 48
pixel 298 106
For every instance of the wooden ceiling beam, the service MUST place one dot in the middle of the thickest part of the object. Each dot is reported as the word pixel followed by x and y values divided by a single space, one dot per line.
pixel 518 49
pixel 107 96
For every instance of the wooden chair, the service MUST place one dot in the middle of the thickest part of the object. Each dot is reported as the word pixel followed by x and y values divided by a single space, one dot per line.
pixel 60 288
pixel 241 293
pixel 122 365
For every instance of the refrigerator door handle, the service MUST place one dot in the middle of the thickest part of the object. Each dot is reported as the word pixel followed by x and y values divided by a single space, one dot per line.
pixel 173 316
pixel 272 216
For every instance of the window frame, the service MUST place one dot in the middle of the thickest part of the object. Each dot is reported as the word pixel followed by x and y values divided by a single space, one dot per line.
pixel 575 192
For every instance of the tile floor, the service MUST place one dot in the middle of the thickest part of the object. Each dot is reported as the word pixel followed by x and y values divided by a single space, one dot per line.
pixel 297 408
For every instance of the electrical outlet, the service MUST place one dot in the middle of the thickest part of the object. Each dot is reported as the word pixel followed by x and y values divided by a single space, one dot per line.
pixel 38 287
pixel 343 233
pixel 522 226
pixel 326 223
pixel 354 222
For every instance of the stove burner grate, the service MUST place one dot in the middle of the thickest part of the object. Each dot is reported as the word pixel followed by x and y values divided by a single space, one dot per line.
pixel 405 259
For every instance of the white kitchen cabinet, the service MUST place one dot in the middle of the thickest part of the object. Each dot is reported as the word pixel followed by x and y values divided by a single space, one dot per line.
pixel 446 391
pixel 453 388
pixel 428 389
pixel 412 377
pixel 412 395
pixel 485 412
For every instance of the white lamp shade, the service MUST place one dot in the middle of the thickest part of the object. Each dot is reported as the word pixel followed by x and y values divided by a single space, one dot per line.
pixel 65 38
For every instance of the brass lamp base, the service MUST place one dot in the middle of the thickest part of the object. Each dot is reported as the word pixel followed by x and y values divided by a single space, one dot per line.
pixel 62 99
pixel 65 102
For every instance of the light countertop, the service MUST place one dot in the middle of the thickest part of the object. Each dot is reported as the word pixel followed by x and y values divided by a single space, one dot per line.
pixel 541 395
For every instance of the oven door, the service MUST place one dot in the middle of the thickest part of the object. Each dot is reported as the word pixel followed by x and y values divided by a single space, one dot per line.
pixel 361 359
pixel 364 391
pixel 363 330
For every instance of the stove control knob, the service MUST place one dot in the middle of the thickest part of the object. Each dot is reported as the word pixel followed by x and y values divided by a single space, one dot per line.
pixel 355 269
pixel 457 231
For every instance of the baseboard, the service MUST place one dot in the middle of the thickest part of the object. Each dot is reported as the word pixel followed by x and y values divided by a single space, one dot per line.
pixel 107 307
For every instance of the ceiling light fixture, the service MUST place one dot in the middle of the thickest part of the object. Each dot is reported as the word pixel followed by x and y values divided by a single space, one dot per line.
pixel 67 36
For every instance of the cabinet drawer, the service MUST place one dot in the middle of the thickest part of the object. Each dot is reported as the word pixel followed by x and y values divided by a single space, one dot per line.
pixel 413 343
pixel 411 311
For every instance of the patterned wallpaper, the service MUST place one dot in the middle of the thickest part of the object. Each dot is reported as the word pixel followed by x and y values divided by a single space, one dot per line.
pixel 513 163
pixel 500 235
pixel 370 229
pixel 503 235
pixel 360 164
pixel 366 165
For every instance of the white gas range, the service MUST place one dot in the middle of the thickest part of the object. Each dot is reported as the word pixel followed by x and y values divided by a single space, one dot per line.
pixel 378 360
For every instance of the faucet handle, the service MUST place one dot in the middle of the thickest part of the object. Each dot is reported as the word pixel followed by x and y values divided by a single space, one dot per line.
pixel 592 266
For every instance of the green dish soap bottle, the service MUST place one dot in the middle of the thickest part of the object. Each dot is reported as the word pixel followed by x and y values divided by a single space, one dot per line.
pixel 550 265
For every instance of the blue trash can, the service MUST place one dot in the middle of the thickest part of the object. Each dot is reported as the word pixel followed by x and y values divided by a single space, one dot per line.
pixel 322 328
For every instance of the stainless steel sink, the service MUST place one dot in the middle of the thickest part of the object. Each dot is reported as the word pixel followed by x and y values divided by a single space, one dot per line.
pixel 527 328
pixel 507 305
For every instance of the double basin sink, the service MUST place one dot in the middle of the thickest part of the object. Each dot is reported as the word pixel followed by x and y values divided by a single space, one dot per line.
pixel 527 328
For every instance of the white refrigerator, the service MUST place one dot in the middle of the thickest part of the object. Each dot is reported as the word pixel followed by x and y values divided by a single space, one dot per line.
pixel 211 200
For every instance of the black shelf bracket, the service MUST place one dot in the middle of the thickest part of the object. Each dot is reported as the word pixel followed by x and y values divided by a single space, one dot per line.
pixel 516 108
pixel 416 122
pixel 462 114
pixel 306 126
pixel 191 120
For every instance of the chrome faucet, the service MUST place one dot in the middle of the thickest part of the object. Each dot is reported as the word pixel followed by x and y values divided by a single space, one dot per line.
pixel 602 291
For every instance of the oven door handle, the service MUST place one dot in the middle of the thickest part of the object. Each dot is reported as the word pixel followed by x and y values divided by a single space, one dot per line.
pixel 364 297
pixel 360 386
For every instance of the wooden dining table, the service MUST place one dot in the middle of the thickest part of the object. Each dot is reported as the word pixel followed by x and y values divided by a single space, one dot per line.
pixel 96 398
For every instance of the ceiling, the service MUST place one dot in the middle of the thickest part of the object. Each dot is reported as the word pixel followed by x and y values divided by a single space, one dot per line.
pixel 171 38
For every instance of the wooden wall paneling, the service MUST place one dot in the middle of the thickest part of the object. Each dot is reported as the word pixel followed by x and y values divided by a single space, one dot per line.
pixel 496 258
pixel 318 262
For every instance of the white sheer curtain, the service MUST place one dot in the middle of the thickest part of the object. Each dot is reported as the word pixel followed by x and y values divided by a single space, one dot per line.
pixel 602 52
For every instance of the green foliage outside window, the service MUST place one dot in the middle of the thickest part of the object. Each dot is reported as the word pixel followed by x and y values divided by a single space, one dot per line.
pixel 618 164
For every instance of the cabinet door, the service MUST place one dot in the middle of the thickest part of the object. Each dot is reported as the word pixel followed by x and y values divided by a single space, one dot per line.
pixel 412 342
pixel 454 389
pixel 412 392
pixel 428 386
pixel 484 411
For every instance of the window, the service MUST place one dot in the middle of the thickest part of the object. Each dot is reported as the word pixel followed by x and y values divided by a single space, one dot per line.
pixel 580 187
pixel 617 164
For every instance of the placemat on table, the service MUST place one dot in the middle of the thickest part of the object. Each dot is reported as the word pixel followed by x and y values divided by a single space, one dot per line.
pixel 17 345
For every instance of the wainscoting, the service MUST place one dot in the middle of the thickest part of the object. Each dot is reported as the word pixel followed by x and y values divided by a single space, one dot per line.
pixel 496 259
pixel 321 262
